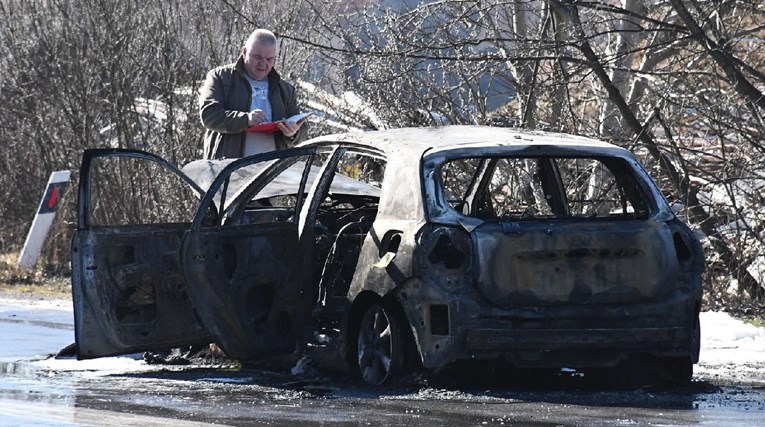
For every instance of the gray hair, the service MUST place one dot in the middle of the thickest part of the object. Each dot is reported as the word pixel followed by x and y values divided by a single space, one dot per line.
pixel 261 37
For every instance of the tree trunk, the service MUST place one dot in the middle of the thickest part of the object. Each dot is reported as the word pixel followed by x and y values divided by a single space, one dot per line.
pixel 627 39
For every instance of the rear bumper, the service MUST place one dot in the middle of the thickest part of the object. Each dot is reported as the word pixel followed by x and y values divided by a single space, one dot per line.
pixel 550 337
pixel 573 339
pixel 580 348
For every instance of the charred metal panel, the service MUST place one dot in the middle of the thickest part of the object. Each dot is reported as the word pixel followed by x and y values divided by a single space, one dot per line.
pixel 689 253
pixel 595 335
pixel 128 290
pixel 386 257
pixel 582 336
pixel 418 299
pixel 402 196
pixel 248 286
pixel 129 293
pixel 443 274
pixel 574 262
pixel 532 332
pixel 573 339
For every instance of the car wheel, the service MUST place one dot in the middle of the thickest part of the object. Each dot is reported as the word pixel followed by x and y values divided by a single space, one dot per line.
pixel 380 348
pixel 696 343
pixel 679 370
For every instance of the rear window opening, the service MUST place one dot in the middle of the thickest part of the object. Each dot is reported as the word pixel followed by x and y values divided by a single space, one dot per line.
pixel 517 189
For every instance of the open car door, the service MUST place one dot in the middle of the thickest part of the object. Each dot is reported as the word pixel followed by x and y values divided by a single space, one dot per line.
pixel 246 267
pixel 128 289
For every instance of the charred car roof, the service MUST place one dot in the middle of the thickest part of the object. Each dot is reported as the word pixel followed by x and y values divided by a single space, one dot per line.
pixel 413 154
pixel 415 142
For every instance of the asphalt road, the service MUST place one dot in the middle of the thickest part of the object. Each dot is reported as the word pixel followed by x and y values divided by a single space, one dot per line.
pixel 39 391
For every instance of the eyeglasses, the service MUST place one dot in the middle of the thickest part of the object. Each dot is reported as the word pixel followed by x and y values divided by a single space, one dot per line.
pixel 258 58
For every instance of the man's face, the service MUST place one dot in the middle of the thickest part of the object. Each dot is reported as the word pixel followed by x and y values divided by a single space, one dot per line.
pixel 259 60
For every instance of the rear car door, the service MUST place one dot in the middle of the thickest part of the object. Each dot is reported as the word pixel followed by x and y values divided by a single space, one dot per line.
pixel 247 267
pixel 128 288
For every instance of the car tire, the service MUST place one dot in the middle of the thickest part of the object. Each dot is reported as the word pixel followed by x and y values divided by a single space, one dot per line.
pixel 680 369
pixel 380 346
pixel 696 343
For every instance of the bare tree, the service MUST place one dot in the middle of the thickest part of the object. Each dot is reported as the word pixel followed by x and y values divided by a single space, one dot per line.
pixel 677 82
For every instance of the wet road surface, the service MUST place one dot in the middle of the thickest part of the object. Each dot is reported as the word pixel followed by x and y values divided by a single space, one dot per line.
pixel 40 391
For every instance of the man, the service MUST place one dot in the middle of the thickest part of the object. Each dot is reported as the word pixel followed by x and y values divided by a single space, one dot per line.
pixel 246 93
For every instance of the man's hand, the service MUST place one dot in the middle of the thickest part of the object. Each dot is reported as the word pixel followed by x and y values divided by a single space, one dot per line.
pixel 256 117
pixel 289 129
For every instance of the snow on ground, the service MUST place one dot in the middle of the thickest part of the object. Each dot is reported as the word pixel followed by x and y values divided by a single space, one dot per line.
pixel 35 329
pixel 57 311
pixel 731 349
pixel 102 366
pixel 728 340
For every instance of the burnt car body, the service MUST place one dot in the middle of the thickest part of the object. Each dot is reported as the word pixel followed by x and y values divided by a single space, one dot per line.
pixel 426 245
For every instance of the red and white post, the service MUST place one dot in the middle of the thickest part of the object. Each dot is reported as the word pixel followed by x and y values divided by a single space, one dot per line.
pixel 44 219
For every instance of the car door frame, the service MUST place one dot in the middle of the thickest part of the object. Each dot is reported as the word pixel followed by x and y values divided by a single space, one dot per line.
pixel 110 263
pixel 255 315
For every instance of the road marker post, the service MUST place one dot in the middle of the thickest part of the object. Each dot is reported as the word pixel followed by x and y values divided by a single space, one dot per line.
pixel 43 219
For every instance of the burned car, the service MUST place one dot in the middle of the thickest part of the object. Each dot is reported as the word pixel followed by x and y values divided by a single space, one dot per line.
pixel 390 249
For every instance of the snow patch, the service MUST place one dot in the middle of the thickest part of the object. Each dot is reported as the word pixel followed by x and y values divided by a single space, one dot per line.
pixel 100 366
pixel 725 340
